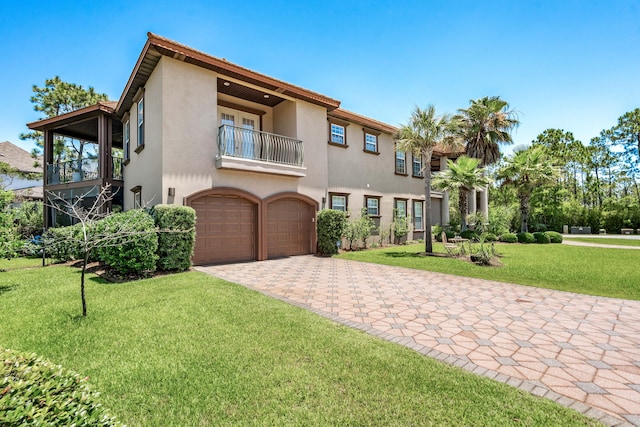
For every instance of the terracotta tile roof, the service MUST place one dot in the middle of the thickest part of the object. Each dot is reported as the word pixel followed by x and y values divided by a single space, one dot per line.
pixel 18 158
pixel 158 46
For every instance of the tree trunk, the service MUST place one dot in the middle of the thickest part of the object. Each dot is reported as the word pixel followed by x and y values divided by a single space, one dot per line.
pixel 428 243
pixel 462 207
pixel 524 212
pixel 84 269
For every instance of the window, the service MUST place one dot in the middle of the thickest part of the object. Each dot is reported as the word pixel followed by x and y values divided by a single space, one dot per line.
pixel 417 215
pixel 137 196
pixel 127 140
pixel 401 162
pixel 370 142
pixel 337 134
pixel 140 123
pixel 339 201
pixel 417 166
pixel 373 205
pixel 400 208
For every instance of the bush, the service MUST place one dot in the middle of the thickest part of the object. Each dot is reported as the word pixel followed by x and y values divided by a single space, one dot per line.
pixel 509 238
pixel 34 391
pixel 63 243
pixel 554 236
pixel 469 234
pixel 450 234
pixel 436 231
pixel 541 237
pixel 176 236
pixel 331 224
pixel 525 237
pixel 490 237
pixel 29 219
pixel 135 252
pixel 540 228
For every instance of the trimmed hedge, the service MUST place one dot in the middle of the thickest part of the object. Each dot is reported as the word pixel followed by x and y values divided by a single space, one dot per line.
pixel 525 237
pixel 176 236
pixel 63 243
pixel 469 234
pixel 541 237
pixel 135 252
pixel 509 238
pixel 490 237
pixel 331 225
pixel 34 391
pixel 554 236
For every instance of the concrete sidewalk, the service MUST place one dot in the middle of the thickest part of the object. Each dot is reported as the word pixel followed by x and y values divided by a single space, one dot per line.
pixel 580 351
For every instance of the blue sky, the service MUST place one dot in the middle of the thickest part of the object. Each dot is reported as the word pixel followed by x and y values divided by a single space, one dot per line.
pixel 564 64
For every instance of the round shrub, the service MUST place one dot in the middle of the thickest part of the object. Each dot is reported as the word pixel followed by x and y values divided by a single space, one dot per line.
pixel 469 234
pixel 132 249
pixel 541 237
pixel 436 232
pixel 490 237
pixel 525 237
pixel 63 243
pixel 554 236
pixel 450 234
pixel 34 391
pixel 509 238
pixel 331 224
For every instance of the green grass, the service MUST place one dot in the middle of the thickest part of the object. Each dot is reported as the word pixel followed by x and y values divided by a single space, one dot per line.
pixel 189 349
pixel 606 241
pixel 17 263
pixel 585 270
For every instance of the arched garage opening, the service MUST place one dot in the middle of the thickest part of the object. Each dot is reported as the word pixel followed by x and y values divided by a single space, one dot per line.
pixel 227 225
pixel 290 227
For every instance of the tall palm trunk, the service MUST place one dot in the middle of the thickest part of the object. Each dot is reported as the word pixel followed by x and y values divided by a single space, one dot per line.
pixel 428 243
pixel 524 212
pixel 462 207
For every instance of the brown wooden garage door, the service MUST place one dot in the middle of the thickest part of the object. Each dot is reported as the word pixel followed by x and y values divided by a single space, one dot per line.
pixel 225 229
pixel 290 228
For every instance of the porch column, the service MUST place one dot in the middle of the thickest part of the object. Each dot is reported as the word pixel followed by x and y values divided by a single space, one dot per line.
pixel 484 202
pixel 48 160
pixel 444 206
pixel 471 202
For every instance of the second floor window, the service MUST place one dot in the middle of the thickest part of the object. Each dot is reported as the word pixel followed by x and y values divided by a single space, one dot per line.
pixel 370 143
pixel 127 139
pixel 401 162
pixel 141 122
pixel 337 134
pixel 417 166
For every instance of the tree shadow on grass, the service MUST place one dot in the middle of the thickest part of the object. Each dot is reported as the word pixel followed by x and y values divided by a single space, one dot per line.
pixel 7 288
pixel 414 255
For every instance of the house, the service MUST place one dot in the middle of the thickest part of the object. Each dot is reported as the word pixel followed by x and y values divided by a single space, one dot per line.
pixel 27 182
pixel 256 157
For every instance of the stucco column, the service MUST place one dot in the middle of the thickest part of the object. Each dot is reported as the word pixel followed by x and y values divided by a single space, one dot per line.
pixel 484 202
pixel 444 206
pixel 471 202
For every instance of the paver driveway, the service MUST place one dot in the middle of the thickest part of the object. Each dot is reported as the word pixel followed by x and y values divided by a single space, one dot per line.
pixel 579 350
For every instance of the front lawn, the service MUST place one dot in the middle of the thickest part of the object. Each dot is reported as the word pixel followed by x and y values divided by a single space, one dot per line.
pixel 585 270
pixel 189 349
pixel 606 241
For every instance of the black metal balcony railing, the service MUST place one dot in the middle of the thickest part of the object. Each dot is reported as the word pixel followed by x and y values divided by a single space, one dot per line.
pixel 81 170
pixel 235 141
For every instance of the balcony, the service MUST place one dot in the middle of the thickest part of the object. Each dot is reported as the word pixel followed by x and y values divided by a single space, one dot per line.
pixel 81 170
pixel 264 152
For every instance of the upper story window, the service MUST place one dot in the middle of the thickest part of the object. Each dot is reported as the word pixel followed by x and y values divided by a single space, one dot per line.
pixel 339 201
pixel 417 166
pixel 401 162
pixel 338 134
pixel 370 142
pixel 373 205
pixel 417 215
pixel 140 123
pixel 127 140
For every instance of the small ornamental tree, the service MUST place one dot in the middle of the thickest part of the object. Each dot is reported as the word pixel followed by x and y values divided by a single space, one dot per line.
pixel 92 235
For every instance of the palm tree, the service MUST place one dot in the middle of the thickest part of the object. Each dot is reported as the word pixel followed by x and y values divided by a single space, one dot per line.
pixel 484 125
pixel 420 135
pixel 463 175
pixel 525 171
